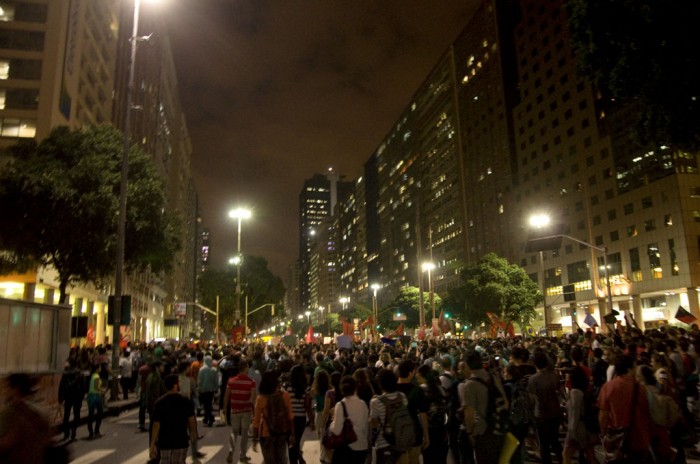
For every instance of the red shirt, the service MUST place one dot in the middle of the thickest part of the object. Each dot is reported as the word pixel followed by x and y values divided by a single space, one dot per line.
pixel 240 388
pixel 616 398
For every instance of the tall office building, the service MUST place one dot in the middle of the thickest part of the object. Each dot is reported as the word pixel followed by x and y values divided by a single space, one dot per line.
pixel 317 200
pixel 502 128
pixel 63 63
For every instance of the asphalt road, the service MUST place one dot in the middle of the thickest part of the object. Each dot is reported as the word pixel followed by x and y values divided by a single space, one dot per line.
pixel 121 443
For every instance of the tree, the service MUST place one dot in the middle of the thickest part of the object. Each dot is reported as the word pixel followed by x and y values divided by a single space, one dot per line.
pixel 494 285
pixel 258 284
pixel 408 302
pixel 60 202
pixel 644 51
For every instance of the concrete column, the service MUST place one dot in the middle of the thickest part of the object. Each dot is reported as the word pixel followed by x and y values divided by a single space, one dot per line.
pixel 100 325
pixel 29 289
pixel 49 295
pixel 637 310
pixel 77 307
pixel 693 302
pixel 603 310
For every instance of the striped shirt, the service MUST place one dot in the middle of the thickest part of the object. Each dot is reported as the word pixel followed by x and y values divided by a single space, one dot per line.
pixel 240 387
pixel 298 403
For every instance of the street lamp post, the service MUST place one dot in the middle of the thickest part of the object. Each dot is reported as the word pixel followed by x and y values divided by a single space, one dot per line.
pixel 308 317
pixel 540 221
pixel 603 250
pixel 375 288
pixel 429 268
pixel 239 214
pixel 344 300
pixel 121 219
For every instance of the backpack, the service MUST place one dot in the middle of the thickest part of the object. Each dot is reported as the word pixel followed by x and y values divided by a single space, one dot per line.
pixel 438 412
pixel 665 411
pixel 399 428
pixel 276 415
pixel 497 414
pixel 520 403
pixel 454 406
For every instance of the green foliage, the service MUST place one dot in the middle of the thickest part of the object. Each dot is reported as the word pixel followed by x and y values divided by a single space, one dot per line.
pixel 408 302
pixel 644 51
pixel 494 285
pixel 258 284
pixel 60 207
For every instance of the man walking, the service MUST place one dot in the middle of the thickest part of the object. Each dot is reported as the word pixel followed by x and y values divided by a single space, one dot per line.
pixel 208 381
pixel 544 386
pixel 240 398
pixel 174 426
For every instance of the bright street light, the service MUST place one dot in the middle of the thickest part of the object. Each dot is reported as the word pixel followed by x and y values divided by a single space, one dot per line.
pixel 375 288
pixel 344 300
pixel 308 317
pixel 539 220
pixel 239 214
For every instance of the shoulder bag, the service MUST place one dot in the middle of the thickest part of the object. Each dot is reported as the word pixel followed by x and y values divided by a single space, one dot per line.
pixel 346 437
pixel 616 439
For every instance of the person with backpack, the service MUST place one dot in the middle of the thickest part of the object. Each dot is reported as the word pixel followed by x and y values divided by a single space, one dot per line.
pixel 436 400
pixel 479 412
pixel 71 391
pixel 273 421
pixel 417 408
pixel 388 415
pixel 450 380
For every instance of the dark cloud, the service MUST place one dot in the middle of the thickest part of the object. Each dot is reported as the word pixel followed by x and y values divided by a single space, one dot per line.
pixel 275 91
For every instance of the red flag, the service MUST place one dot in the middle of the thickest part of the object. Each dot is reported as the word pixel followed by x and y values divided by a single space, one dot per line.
pixel 399 329
pixel 684 315
pixel 310 335
pixel 421 334
pixel 289 330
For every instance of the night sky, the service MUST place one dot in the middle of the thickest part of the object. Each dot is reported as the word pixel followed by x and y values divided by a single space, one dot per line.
pixel 275 91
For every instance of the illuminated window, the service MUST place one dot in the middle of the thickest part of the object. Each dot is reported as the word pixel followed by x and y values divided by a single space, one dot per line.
pixel 655 260
pixel 4 69
pixel 7 11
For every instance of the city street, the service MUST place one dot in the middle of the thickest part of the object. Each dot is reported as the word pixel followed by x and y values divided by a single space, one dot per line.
pixel 123 444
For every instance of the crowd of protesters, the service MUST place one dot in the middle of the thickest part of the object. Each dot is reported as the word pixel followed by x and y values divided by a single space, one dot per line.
pixel 544 399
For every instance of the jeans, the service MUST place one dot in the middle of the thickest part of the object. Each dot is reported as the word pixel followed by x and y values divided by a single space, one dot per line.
pixel 548 436
pixel 240 424
pixel 142 410
pixel 487 448
pixel 206 399
pixel 299 426
pixel 68 406
pixel 274 449
pixel 95 411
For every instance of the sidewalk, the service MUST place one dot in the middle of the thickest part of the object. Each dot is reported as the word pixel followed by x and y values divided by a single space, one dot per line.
pixel 112 408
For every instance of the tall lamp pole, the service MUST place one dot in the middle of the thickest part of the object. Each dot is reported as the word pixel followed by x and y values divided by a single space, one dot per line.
pixel 541 221
pixel 121 219
pixel 239 214
pixel 429 268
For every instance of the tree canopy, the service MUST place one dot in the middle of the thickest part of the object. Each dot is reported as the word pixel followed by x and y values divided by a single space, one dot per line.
pixel 644 51
pixel 258 283
pixel 494 285
pixel 408 302
pixel 60 203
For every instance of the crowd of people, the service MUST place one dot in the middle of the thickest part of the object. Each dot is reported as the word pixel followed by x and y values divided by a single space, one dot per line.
pixel 543 399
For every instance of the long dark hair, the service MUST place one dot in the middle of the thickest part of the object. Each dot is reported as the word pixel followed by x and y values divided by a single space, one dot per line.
pixel 298 380
pixel 322 383
pixel 269 383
